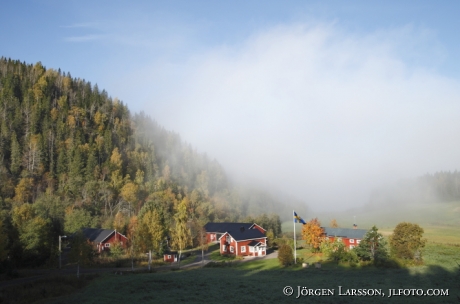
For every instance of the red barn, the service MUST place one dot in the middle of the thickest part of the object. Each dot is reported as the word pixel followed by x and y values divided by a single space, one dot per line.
pixel 104 238
pixel 350 237
pixel 244 242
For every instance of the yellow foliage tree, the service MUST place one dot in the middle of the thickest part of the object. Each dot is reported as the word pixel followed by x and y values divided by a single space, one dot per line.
pixel 119 222
pixel 23 191
pixel 333 224
pixel 115 159
pixel 152 231
pixel 129 192
pixel 312 233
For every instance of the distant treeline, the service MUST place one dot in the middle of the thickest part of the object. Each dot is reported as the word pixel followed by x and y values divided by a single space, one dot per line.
pixel 72 157
pixel 444 185
pixel 438 187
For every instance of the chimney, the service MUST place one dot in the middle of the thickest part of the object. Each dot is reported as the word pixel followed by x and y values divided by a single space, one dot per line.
pixel 355 226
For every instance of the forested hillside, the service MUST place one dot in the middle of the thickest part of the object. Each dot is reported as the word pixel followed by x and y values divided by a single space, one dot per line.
pixel 72 157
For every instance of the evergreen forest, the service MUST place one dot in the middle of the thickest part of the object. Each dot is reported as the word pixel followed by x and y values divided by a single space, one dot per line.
pixel 71 157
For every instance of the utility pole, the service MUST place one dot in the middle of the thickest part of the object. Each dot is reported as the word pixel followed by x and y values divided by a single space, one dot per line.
pixel 60 253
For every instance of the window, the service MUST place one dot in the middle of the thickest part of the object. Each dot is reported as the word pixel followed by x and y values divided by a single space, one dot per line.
pixel 243 248
pixel 339 239
pixel 358 241
pixel 107 244
pixel 352 246
pixel 251 249
pixel 352 241
pixel 121 243
pixel 231 249
pixel 169 256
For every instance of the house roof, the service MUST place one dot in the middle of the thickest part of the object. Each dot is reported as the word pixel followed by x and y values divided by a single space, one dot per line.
pixel 247 234
pixel 253 243
pixel 345 232
pixel 226 227
pixel 98 235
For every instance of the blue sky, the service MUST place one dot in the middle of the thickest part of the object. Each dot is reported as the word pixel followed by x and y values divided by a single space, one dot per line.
pixel 324 100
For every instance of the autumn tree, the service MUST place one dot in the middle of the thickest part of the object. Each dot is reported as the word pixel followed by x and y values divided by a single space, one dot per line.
pixel 312 233
pixel 333 224
pixel 406 241
pixel 181 235
pixel 119 223
pixel 152 231
pixel 129 193
pixel 34 231
pixel 133 238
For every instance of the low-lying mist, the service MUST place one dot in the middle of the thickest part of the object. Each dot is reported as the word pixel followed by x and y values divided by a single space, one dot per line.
pixel 324 115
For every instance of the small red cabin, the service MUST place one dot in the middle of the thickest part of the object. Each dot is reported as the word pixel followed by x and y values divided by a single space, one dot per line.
pixel 103 239
pixel 171 256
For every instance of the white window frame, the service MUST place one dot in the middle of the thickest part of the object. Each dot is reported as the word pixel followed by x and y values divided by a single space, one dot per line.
pixel 169 256
pixel 358 241
pixel 232 249
pixel 107 245
pixel 243 249
pixel 352 246
pixel 352 241
pixel 251 249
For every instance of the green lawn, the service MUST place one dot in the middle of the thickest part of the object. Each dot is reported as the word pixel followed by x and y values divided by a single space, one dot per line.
pixel 263 282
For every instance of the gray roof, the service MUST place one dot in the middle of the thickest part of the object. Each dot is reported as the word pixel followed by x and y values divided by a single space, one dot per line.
pixel 345 232
pixel 97 235
pixel 226 227
pixel 246 234
pixel 238 231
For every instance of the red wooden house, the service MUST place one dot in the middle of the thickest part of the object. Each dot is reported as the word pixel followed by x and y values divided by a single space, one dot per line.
pixel 103 239
pixel 244 242
pixel 350 237
pixel 214 231
pixel 170 256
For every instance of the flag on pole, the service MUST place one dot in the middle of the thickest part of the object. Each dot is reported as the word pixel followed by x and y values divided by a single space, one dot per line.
pixel 298 219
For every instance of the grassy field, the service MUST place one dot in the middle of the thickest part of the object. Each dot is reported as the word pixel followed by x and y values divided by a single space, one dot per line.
pixel 262 281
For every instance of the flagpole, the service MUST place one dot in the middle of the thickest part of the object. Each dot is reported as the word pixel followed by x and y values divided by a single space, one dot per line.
pixel 295 247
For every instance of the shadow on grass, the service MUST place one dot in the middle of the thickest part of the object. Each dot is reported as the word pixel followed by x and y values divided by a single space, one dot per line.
pixel 264 284
pixel 45 288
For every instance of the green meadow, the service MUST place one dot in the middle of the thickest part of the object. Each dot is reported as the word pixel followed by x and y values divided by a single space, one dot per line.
pixel 262 281
pixel 259 281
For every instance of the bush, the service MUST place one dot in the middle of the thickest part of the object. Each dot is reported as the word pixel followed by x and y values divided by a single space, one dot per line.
pixel 285 255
